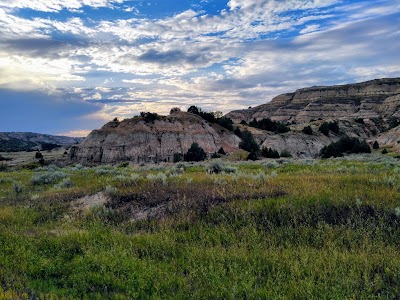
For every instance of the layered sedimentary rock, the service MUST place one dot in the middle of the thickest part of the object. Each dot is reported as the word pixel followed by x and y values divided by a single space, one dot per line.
pixel 362 110
pixel 141 140
pixel 366 100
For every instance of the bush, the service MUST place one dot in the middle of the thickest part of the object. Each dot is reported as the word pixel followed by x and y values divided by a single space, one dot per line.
pixel 237 132
pixel 17 187
pixel 111 191
pixel 269 125
pixel 177 157
pixel 252 155
pixel 65 184
pixel 286 153
pixel 195 153
pixel 149 117
pixel 47 178
pixel 248 143
pixel 158 178
pixel 375 145
pixel 123 164
pixel 215 168
pixel 215 155
pixel 345 145
pixel 384 151
pixel 393 122
pixel 32 166
pixel 2 158
pixel 3 167
pixel 269 153
pixel 212 117
pixel 38 155
pixel 331 126
pixel 221 151
pixel 307 130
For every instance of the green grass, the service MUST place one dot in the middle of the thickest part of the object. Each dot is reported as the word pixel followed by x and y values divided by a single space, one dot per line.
pixel 301 230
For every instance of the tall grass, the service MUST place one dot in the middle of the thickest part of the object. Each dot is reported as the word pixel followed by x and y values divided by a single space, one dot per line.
pixel 297 230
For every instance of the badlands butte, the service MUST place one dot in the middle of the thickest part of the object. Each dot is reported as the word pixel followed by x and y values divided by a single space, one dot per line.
pixel 368 111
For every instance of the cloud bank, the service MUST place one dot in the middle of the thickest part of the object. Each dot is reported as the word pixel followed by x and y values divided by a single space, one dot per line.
pixel 117 58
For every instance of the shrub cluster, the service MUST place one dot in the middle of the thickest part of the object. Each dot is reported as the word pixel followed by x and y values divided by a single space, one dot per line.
pixel 2 158
pixel 149 117
pixel 48 177
pixel 217 167
pixel 345 145
pixel 195 153
pixel 212 117
pixel 269 125
pixel 329 126
pixel 307 130
pixel 248 143
pixel 269 153
pixel 393 122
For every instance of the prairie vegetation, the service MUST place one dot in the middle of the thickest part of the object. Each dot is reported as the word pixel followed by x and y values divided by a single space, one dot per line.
pixel 269 229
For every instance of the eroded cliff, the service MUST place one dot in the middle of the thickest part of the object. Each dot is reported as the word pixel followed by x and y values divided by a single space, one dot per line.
pixel 140 140
pixel 379 98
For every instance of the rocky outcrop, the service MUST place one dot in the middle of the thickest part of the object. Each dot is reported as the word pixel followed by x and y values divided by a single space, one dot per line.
pixel 142 140
pixel 362 110
pixel 366 100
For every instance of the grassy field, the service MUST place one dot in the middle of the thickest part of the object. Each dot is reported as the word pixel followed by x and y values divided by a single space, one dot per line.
pixel 285 229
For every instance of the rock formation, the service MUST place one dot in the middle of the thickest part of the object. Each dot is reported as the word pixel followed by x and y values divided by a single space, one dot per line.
pixel 142 140
pixel 367 100
pixel 362 110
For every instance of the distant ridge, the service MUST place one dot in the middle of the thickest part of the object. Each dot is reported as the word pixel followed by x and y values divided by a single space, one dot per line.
pixel 25 141
pixel 378 98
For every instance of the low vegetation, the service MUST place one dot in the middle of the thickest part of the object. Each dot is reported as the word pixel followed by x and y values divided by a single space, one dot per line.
pixel 346 145
pixel 269 125
pixel 212 117
pixel 270 229
pixel 329 126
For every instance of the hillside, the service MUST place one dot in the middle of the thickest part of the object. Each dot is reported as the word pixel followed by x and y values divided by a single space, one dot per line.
pixel 146 140
pixel 379 98
pixel 24 141
pixel 363 110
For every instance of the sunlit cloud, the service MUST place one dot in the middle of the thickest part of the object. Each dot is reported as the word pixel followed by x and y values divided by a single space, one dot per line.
pixel 125 59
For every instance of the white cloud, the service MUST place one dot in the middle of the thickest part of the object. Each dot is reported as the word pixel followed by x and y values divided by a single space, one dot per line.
pixel 56 5
pixel 310 28
pixel 220 62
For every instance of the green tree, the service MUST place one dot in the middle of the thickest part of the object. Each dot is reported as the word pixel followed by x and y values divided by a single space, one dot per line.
pixel 193 110
pixel 221 151
pixel 331 126
pixel 248 143
pixel 375 145
pixel 269 153
pixel 307 130
pixel 195 153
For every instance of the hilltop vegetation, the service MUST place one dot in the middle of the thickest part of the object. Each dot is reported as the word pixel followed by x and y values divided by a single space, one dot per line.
pixel 274 229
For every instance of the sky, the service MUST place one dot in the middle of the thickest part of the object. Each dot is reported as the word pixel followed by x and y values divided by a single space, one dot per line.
pixel 69 66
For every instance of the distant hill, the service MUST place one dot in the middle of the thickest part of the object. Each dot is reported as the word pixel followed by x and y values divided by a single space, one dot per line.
pixel 25 141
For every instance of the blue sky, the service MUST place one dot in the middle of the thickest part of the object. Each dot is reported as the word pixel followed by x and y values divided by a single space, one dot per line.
pixel 69 66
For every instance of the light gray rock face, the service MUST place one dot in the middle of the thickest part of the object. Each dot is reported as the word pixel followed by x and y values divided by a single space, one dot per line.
pixel 301 145
pixel 368 100
pixel 137 140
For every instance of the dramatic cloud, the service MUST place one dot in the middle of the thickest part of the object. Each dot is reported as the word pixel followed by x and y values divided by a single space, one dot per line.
pixel 117 58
